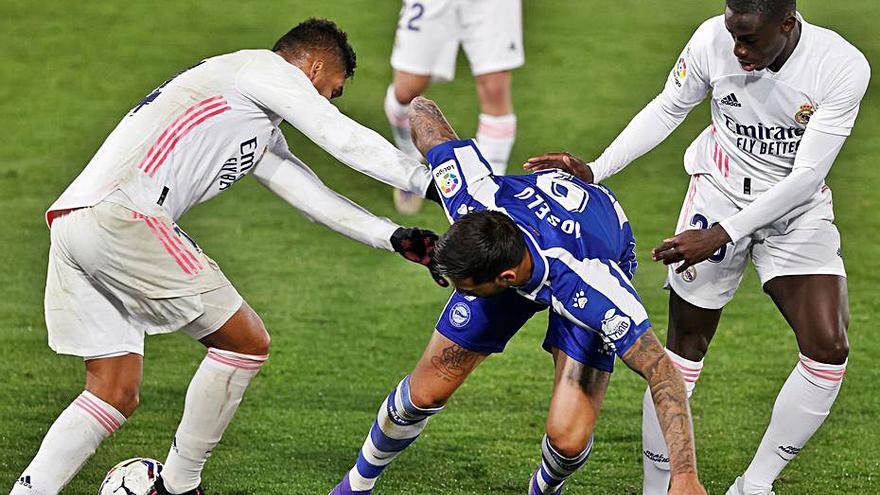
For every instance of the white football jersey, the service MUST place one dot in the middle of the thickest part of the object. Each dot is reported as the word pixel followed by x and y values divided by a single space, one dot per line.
pixel 207 127
pixel 758 117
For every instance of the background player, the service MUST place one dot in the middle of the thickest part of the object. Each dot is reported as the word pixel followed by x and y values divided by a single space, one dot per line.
pixel 785 95
pixel 119 266
pixel 429 33
pixel 547 240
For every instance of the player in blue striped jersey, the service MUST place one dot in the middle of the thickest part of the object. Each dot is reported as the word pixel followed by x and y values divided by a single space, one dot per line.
pixel 519 245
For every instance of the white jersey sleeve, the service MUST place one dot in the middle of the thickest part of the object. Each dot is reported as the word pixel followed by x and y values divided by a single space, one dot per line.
pixel 815 157
pixel 840 106
pixel 284 89
pixel 292 180
pixel 686 86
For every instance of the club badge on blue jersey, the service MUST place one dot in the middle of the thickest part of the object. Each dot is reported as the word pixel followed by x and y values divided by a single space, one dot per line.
pixel 460 315
pixel 614 325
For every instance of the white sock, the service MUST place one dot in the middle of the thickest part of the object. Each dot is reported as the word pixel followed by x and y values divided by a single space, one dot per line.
pixel 398 118
pixel 495 137
pixel 70 441
pixel 211 400
pixel 801 406
pixel 655 463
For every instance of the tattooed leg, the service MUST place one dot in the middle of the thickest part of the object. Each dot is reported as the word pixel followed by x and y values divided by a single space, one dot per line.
pixel 578 392
pixel 444 366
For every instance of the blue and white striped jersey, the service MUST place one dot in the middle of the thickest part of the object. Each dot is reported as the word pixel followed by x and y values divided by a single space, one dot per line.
pixel 578 235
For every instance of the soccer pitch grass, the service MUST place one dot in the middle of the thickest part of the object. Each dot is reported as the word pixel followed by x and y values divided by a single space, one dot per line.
pixel 347 321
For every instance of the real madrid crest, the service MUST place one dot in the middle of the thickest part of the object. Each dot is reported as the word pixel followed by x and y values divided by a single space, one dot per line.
pixel 690 274
pixel 804 114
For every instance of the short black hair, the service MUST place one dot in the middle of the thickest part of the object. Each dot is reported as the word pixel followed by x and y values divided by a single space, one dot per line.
pixel 776 9
pixel 321 34
pixel 480 245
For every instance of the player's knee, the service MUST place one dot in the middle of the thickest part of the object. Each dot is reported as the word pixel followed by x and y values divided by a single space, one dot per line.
pixel 833 352
pixel 125 398
pixel 689 345
pixel 567 443
pixel 258 340
pixel 427 399
pixel 494 93
pixel 569 438
pixel 408 86
pixel 261 344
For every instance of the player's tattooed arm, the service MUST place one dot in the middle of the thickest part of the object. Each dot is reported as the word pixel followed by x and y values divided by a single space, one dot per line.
pixel 648 358
pixel 428 125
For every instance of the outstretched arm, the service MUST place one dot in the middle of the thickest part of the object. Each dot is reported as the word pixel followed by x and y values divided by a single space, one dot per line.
pixel 647 358
pixel 292 180
pixel 282 88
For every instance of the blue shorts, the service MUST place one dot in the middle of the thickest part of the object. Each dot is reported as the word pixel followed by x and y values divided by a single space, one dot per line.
pixel 487 324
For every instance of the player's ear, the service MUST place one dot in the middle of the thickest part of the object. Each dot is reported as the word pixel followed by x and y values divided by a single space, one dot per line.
pixel 789 24
pixel 315 69
pixel 506 278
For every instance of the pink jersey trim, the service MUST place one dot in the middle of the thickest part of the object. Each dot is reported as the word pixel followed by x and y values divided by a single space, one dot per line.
pixel 186 122
pixel 721 159
pixel 190 259
pixel 151 153
pixel 167 244
pixel 689 203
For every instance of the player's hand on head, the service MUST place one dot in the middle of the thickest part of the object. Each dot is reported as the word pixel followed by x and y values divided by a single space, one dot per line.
pixel 690 247
pixel 562 160
pixel 417 245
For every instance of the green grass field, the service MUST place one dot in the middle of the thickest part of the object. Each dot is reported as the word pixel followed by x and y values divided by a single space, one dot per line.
pixel 347 326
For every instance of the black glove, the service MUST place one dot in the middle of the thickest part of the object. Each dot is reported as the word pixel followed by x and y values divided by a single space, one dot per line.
pixel 417 245
pixel 432 194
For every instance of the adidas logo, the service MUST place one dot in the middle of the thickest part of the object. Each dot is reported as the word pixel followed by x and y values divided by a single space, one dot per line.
pixel 730 100
pixel 25 481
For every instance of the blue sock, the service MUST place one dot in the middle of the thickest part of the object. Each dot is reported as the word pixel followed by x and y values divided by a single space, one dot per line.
pixel 556 468
pixel 397 425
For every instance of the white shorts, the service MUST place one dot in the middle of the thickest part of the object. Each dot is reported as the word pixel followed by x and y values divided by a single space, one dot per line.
pixel 807 244
pixel 116 275
pixel 429 33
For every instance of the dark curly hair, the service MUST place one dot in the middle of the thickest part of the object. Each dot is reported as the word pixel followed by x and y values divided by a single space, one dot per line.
pixel 480 245
pixel 320 34
pixel 776 9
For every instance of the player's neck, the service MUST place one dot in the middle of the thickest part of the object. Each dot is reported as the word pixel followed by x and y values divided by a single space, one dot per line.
pixel 524 270
pixel 790 46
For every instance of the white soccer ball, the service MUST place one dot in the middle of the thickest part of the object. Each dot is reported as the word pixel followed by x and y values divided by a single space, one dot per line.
pixel 131 477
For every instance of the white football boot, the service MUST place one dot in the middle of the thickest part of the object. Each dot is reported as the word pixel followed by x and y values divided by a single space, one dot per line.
pixel 737 488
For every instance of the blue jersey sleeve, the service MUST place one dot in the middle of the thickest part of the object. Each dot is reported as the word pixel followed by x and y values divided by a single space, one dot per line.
pixel 595 294
pixel 459 170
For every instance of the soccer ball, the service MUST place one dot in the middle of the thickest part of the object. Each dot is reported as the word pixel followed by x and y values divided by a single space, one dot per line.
pixel 131 477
